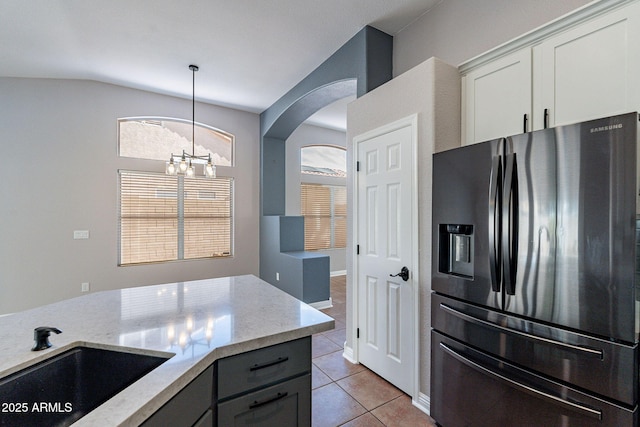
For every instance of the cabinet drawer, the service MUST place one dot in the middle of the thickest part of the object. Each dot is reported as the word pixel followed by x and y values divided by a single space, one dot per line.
pixel 475 389
pixel 258 368
pixel 285 404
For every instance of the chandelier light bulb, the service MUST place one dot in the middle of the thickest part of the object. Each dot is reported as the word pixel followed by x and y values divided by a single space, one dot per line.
pixel 183 164
pixel 209 169
pixel 171 167
pixel 190 170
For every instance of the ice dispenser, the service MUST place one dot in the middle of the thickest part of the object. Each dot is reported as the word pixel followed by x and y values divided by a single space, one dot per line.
pixel 456 250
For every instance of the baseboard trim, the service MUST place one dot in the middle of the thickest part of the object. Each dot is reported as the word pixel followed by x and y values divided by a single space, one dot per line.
pixel 423 403
pixel 322 305
pixel 348 354
pixel 338 273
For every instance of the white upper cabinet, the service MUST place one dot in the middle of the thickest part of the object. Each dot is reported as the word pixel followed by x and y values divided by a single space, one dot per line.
pixel 582 66
pixel 590 71
pixel 497 98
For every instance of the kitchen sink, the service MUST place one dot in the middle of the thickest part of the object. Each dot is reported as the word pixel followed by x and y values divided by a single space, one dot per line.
pixel 64 388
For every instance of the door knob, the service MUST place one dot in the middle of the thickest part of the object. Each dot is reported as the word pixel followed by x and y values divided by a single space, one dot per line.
pixel 404 274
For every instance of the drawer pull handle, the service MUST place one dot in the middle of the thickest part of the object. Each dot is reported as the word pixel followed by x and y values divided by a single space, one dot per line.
pixel 577 407
pixel 277 397
pixel 594 352
pixel 258 366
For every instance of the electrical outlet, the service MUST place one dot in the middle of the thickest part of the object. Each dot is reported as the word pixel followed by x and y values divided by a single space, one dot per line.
pixel 277 277
pixel 84 287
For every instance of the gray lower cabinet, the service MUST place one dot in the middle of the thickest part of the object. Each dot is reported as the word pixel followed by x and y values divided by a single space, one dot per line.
pixel 189 407
pixel 266 387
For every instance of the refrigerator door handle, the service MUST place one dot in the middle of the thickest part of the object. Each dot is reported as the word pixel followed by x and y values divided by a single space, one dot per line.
pixel 494 223
pixel 576 407
pixel 593 352
pixel 510 224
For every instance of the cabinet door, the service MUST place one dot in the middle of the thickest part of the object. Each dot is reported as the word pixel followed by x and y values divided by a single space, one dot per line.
pixel 188 406
pixel 496 98
pixel 589 71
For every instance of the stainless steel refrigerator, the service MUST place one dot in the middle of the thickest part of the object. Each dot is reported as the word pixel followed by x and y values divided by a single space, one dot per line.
pixel 534 304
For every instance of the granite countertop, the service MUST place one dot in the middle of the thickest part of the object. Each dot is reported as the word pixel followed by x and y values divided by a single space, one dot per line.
pixel 194 322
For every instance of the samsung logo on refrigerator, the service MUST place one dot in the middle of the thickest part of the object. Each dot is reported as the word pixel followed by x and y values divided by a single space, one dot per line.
pixel 605 128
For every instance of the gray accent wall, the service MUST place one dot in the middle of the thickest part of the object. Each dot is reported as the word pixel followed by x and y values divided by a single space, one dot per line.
pixel 303 136
pixel 360 65
pixel 60 174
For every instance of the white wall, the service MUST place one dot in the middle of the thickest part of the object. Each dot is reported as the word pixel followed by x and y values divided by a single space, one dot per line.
pixel 305 135
pixel 431 90
pixel 458 30
pixel 60 173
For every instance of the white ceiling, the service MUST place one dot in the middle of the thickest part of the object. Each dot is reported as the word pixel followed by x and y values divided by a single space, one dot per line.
pixel 250 52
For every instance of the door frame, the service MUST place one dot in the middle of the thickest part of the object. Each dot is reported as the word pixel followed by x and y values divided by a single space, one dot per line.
pixel 412 122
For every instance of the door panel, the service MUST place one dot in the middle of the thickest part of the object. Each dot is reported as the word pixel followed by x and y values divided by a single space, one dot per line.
pixel 394 301
pixel 498 95
pixel 371 330
pixel 385 206
pixel 569 84
pixel 586 220
pixel 462 182
pixel 394 205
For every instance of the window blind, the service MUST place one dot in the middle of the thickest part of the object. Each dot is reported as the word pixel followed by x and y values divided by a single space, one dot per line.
pixel 207 218
pixel 325 216
pixel 165 218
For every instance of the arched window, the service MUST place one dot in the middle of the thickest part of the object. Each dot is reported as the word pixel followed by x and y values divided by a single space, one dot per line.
pixel 155 138
pixel 323 160
pixel 324 205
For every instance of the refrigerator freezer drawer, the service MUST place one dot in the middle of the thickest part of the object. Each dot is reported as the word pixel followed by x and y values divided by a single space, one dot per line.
pixel 470 388
pixel 603 367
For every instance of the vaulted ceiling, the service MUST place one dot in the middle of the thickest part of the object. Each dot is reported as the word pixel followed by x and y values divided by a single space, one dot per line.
pixel 250 52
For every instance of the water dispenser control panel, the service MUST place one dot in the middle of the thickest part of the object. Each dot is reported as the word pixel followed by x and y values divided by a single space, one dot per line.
pixel 456 250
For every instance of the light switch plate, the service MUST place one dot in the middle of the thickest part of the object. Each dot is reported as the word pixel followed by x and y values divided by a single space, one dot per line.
pixel 80 234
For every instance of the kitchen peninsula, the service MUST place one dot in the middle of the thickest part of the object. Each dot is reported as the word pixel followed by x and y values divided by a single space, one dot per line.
pixel 195 324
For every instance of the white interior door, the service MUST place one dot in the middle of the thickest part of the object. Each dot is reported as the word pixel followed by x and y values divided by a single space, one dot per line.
pixel 385 236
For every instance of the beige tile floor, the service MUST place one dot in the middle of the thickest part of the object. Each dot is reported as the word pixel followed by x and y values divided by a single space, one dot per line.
pixel 351 395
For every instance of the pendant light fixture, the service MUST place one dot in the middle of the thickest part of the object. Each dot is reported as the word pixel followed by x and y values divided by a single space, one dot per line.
pixel 185 166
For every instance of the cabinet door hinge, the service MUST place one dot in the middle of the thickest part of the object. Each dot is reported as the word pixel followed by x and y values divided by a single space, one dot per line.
pixel 358 166
pixel 357 249
pixel 357 332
